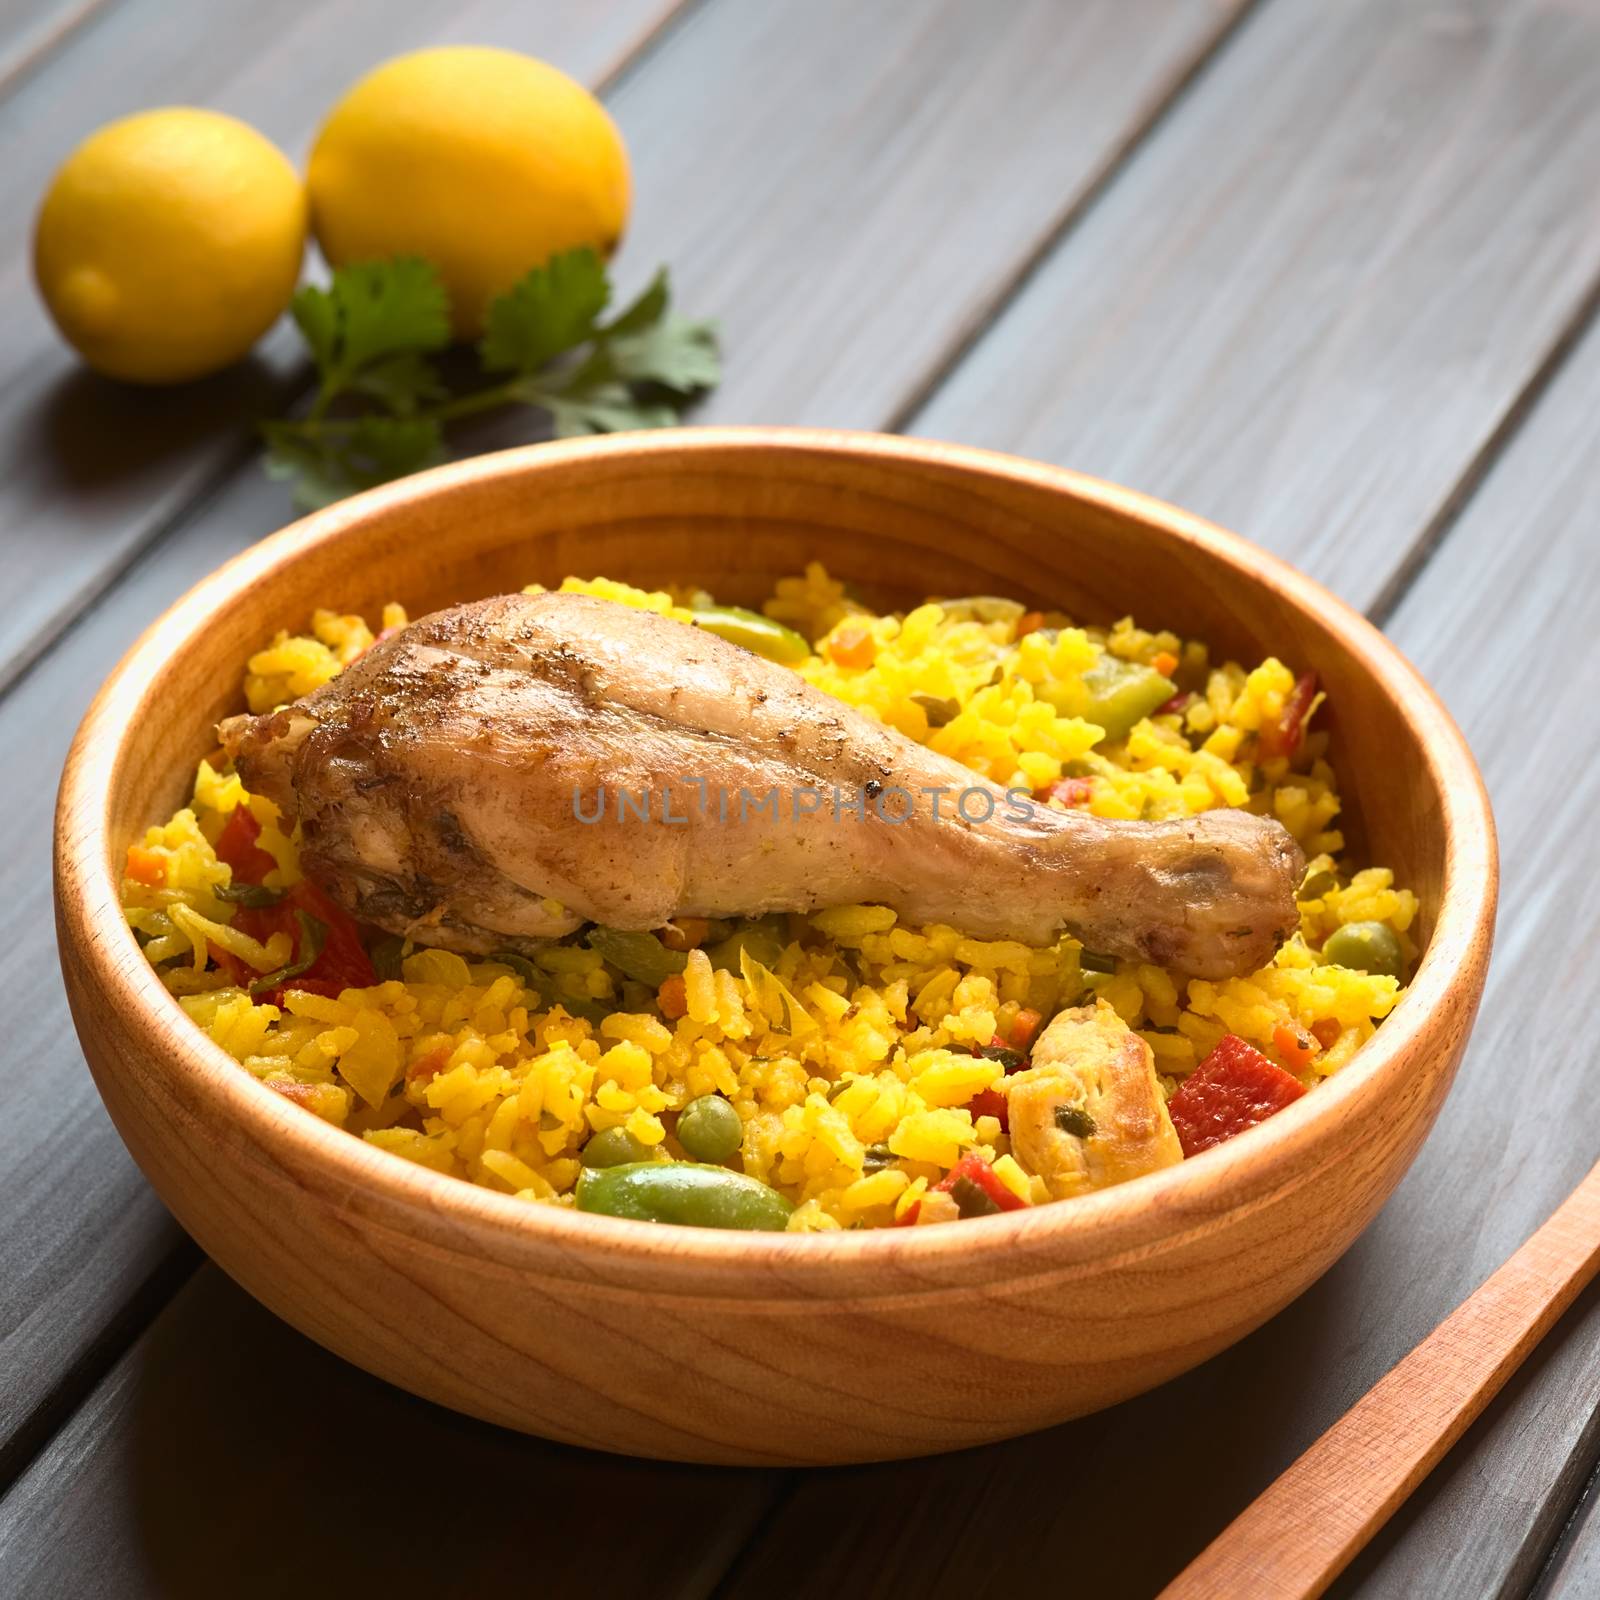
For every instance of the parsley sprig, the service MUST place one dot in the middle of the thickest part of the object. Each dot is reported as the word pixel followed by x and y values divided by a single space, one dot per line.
pixel 382 401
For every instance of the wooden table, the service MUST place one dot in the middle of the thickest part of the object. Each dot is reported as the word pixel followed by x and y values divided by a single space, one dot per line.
pixel 1323 270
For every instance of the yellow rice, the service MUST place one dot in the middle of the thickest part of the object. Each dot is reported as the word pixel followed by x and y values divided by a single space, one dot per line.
pixel 860 1035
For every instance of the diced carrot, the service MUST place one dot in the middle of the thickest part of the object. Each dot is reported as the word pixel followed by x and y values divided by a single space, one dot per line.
pixel 1024 1028
pixel 303 1094
pixel 1295 1045
pixel 1164 662
pixel 425 1068
pixel 1327 1031
pixel 1029 622
pixel 672 998
pixel 853 646
pixel 146 867
pixel 684 933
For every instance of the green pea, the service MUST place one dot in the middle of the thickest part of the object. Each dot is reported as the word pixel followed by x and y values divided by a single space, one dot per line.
pixel 613 1147
pixel 683 1193
pixel 638 955
pixel 754 632
pixel 709 1128
pixel 1365 947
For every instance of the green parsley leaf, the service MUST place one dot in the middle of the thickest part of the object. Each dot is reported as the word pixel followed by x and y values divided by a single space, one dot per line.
pixel 343 457
pixel 550 311
pixel 384 308
pixel 308 463
pixel 611 408
pixel 316 314
pixel 677 352
pixel 381 404
pixel 402 382
pixel 644 312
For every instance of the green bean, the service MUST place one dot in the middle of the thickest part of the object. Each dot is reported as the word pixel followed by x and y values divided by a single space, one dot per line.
pixel 519 964
pixel 613 1147
pixel 1113 693
pixel 638 955
pixel 756 633
pixel 1365 947
pixel 684 1193
pixel 763 937
pixel 709 1128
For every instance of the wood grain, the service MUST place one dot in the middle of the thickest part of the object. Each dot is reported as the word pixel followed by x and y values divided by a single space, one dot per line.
pixel 819 235
pixel 272 1468
pixel 1292 1541
pixel 31 29
pixel 1269 1396
pixel 1153 43
pixel 1310 305
pixel 1500 622
pixel 1573 1570
pixel 562 1323
pixel 1515 577
pixel 91 471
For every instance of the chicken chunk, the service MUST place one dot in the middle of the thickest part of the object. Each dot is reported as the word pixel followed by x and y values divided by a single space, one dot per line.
pixel 1088 1113
pixel 507 770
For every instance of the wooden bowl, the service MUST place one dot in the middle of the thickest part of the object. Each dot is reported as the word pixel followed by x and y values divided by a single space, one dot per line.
pixel 767 1348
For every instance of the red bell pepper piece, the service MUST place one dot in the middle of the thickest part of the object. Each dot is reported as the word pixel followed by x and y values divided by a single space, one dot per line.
pixel 1284 737
pixel 237 846
pixel 342 963
pixel 977 1172
pixel 1234 1088
pixel 990 1103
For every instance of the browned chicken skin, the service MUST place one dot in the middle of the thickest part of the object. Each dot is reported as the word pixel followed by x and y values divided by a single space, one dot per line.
pixel 1088 1112
pixel 446 785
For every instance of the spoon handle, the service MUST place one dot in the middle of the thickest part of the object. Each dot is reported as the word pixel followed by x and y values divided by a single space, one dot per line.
pixel 1295 1538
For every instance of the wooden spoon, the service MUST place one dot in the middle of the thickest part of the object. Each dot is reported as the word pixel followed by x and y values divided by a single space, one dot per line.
pixel 1300 1534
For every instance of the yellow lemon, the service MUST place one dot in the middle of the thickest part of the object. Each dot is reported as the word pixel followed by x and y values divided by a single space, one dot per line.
pixel 169 242
pixel 484 162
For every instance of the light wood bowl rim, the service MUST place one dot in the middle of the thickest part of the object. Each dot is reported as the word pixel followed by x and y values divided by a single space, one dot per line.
pixel 1116 1225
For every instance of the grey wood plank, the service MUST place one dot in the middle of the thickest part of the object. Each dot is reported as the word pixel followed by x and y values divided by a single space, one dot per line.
pixel 870 179
pixel 1313 299
pixel 813 113
pixel 227 1455
pixel 94 470
pixel 1501 623
pixel 1573 1571
pixel 827 132
pixel 90 470
pixel 31 29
